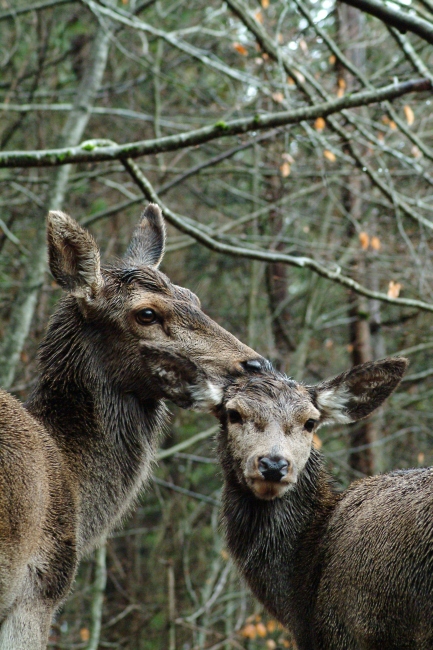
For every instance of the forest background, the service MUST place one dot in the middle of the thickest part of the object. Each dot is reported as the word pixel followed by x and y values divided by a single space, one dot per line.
pixel 290 144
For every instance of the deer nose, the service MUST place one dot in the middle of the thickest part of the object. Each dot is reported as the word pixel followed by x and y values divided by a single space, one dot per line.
pixel 253 365
pixel 273 468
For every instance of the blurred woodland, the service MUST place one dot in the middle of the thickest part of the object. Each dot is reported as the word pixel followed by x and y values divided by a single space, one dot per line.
pixel 290 145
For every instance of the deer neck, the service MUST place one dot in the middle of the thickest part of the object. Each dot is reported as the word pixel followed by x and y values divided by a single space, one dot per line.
pixel 277 544
pixel 107 437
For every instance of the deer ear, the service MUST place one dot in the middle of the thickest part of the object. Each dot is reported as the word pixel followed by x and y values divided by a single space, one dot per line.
pixel 73 256
pixel 148 240
pixel 354 394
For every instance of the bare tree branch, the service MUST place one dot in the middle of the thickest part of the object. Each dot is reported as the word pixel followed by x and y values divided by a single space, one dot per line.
pixel 403 22
pixel 98 150
pixel 184 225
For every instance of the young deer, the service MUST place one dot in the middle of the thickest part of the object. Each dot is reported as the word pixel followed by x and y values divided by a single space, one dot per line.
pixel 349 571
pixel 75 456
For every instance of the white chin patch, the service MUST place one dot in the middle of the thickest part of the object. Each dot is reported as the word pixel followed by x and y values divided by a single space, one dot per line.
pixel 205 397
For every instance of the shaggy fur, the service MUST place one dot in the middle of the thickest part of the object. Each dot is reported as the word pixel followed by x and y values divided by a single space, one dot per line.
pixel 350 571
pixel 73 459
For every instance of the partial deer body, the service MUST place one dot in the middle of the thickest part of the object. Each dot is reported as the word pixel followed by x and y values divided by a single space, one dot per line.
pixel 73 459
pixel 350 571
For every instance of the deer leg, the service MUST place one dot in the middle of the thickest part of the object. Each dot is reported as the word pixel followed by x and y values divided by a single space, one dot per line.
pixel 26 626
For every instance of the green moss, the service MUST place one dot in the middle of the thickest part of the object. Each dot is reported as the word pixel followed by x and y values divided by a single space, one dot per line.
pixel 88 146
pixel 221 125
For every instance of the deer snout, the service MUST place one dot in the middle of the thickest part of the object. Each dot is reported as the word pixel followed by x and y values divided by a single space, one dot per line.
pixel 273 468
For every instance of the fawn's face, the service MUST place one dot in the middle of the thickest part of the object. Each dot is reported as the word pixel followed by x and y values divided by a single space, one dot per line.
pixel 269 434
pixel 268 421
pixel 151 334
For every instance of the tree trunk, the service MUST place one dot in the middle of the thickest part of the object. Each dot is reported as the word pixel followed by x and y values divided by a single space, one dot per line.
pixel 25 303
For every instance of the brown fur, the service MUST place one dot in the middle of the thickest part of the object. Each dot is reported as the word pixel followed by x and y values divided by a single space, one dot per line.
pixel 75 456
pixel 350 571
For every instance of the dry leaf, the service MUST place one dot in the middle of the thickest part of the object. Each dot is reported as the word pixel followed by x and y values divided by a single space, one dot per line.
pixel 394 289
pixel 319 124
pixel 258 16
pixel 303 45
pixel 285 169
pixel 332 59
pixel 265 4
pixel 225 556
pixel 84 634
pixel 408 112
pixel 291 81
pixel 271 626
pixel 341 83
pixel 329 155
pixel 249 631
pixel 265 56
pixel 261 630
pixel 392 125
pixel 288 157
pixel 240 49
pixel 364 239
pixel 421 458
pixel 416 153
pixel 375 243
pixel 340 92
pixel 385 119
pixel 316 441
pixel 299 76
pixel 270 644
pixel 278 97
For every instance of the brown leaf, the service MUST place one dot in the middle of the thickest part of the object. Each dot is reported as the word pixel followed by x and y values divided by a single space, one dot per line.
pixel 329 155
pixel 258 16
pixel 316 441
pixel 341 83
pixel 271 645
pixel 261 630
pixel 364 239
pixel 249 631
pixel 319 124
pixel 394 289
pixel 285 169
pixel 84 634
pixel 265 4
pixel 332 59
pixel 408 112
pixel 291 81
pixel 278 97
pixel 375 243
pixel 392 125
pixel 240 49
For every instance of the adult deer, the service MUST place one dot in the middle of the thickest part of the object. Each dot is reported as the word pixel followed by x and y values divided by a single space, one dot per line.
pixel 343 571
pixel 75 456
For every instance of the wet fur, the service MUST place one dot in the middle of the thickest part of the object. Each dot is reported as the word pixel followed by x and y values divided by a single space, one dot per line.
pixel 73 459
pixel 343 571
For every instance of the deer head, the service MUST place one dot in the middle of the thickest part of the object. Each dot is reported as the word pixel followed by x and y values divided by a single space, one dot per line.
pixel 268 422
pixel 150 335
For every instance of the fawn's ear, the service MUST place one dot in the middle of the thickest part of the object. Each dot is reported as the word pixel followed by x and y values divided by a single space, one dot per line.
pixel 354 394
pixel 148 239
pixel 73 256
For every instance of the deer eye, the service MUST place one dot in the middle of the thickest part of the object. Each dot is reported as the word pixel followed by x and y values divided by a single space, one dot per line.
pixel 309 425
pixel 234 416
pixel 146 316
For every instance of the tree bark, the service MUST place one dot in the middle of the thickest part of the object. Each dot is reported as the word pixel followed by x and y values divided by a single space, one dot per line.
pixel 25 302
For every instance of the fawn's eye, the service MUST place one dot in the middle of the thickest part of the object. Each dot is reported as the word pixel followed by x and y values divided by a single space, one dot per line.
pixel 309 425
pixel 146 316
pixel 234 416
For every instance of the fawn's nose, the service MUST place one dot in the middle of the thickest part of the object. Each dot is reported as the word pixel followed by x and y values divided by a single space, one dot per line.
pixel 273 468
